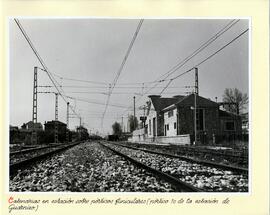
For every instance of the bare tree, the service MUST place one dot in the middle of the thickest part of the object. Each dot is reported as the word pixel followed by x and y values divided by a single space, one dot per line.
pixel 236 98
pixel 117 130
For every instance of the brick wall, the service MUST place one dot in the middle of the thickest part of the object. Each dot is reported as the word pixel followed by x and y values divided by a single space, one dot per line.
pixel 238 125
pixel 185 120
pixel 212 125
pixel 211 122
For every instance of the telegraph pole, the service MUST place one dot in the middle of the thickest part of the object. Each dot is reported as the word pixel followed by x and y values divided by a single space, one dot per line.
pixel 56 119
pixel 34 114
pixel 67 133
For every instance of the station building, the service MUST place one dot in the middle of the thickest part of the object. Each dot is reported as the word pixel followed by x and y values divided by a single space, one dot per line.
pixel 50 126
pixel 172 120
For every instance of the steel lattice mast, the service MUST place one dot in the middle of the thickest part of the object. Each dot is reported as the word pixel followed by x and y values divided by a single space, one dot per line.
pixel 56 119
pixel 67 132
pixel 34 113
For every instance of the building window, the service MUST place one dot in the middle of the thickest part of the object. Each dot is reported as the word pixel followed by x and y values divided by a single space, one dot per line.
pixel 200 119
pixel 170 113
pixel 150 126
pixel 168 127
pixel 229 126
pixel 174 125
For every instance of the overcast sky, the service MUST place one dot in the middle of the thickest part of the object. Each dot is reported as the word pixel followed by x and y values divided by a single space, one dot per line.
pixel 93 50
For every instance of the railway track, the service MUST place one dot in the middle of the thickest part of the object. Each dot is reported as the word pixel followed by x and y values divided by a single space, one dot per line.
pixel 103 167
pixel 208 163
pixel 31 149
pixel 26 162
pixel 230 157
pixel 210 177
pixel 90 167
pixel 180 186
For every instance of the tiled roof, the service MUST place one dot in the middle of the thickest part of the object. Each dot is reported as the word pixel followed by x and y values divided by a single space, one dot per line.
pixel 31 123
pixel 201 101
pixel 160 103
pixel 53 122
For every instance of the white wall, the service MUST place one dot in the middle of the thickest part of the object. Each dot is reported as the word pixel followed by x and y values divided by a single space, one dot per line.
pixel 138 136
pixel 170 120
pixel 152 114
pixel 177 140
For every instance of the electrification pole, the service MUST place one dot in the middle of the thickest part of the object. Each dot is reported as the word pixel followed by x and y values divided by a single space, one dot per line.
pixel 134 124
pixel 196 92
pixel 196 81
pixel 128 124
pixel 67 132
pixel 56 119
pixel 34 114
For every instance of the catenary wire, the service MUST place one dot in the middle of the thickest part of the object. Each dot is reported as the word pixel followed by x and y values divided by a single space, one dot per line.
pixel 41 61
pixel 194 53
pixel 121 68
pixel 210 56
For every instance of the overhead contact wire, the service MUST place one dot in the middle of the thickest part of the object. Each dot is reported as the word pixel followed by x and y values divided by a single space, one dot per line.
pixel 121 68
pixel 41 61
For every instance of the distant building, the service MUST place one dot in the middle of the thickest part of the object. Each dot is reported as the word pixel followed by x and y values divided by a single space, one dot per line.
pixel 13 128
pixel 50 126
pixel 245 123
pixel 81 129
pixel 82 132
pixel 50 131
pixel 30 125
pixel 16 135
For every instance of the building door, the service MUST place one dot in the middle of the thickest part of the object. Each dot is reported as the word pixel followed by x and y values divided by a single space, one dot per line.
pixel 154 127
pixel 200 119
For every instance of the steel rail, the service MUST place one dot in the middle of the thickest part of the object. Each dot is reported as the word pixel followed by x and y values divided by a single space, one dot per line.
pixel 13 168
pixel 208 163
pixel 200 150
pixel 180 186
pixel 31 150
